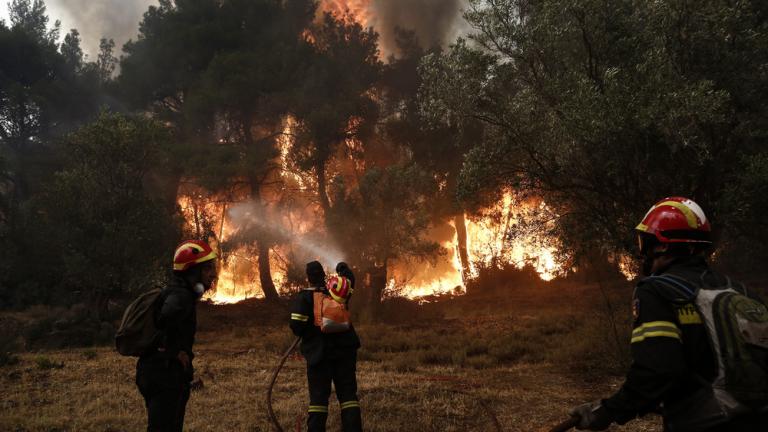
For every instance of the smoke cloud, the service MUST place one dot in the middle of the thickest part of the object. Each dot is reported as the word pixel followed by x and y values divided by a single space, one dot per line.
pixel 111 19
pixel 247 216
pixel 435 22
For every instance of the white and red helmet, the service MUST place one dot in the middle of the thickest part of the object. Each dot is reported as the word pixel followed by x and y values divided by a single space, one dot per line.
pixel 676 220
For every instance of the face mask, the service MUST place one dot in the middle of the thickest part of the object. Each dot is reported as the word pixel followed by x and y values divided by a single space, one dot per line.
pixel 199 289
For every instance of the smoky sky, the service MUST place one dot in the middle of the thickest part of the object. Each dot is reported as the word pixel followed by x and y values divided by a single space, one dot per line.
pixel 94 19
pixel 435 22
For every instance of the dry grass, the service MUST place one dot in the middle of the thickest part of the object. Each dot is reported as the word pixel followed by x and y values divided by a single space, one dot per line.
pixel 527 360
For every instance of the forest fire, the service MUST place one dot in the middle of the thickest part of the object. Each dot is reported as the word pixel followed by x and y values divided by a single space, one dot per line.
pixel 207 217
pixel 488 243
pixel 358 10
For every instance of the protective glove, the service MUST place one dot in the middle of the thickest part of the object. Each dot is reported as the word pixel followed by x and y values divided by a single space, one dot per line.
pixel 592 416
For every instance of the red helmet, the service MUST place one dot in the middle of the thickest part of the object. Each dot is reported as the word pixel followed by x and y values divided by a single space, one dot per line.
pixel 676 220
pixel 190 253
pixel 340 288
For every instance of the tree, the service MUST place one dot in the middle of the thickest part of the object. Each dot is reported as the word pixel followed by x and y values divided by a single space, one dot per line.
pixel 43 94
pixel 106 60
pixel 31 18
pixel 223 74
pixel 111 235
pixel 382 220
pixel 436 147
pixel 335 102
pixel 71 50
pixel 602 109
pixel 246 89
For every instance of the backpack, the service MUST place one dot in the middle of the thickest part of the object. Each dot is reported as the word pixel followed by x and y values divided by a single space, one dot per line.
pixel 737 328
pixel 137 332
pixel 330 315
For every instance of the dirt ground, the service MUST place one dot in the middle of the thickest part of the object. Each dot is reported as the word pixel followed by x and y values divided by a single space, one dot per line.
pixel 525 367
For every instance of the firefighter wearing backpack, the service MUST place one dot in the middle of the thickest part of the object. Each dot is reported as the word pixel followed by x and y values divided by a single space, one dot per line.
pixel 697 382
pixel 329 343
pixel 164 371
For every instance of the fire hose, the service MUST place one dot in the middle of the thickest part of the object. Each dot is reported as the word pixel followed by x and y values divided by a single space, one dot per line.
pixel 272 381
pixel 566 425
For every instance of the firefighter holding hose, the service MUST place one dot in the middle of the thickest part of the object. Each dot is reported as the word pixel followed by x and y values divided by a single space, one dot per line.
pixel 699 340
pixel 329 343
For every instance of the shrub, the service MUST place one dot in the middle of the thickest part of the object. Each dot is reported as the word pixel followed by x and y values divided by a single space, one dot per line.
pixel 482 361
pixel 9 342
pixel 46 363
pixel 511 348
pixel 435 357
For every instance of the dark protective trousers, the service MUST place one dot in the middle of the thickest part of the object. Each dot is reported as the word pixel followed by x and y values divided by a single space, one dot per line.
pixel 165 388
pixel 338 367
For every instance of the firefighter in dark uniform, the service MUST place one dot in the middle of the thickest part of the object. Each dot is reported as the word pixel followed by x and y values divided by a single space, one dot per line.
pixel 164 373
pixel 331 357
pixel 673 361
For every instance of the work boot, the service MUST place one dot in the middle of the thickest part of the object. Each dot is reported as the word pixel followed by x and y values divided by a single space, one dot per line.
pixel 351 420
pixel 316 421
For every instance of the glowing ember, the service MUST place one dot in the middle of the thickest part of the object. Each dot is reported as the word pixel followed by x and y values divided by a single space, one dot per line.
pixel 627 267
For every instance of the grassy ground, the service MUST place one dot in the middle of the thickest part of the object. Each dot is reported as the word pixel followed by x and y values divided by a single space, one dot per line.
pixel 524 358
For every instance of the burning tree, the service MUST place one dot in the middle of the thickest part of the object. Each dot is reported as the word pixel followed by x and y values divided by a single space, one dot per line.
pixel 232 96
pixel 602 109
pixel 337 104
pixel 383 220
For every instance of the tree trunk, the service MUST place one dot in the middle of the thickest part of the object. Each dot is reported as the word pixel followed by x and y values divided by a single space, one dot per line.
pixel 265 273
pixel 375 290
pixel 322 186
pixel 461 235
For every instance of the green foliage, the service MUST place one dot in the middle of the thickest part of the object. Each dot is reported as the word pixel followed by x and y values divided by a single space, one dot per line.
pixel 71 50
pixel 604 108
pixel 108 233
pixel 399 193
pixel 30 17
pixel 383 219
pixel 334 102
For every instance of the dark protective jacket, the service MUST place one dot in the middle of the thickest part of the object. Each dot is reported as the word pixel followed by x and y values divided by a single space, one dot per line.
pixel 315 345
pixel 672 356
pixel 177 320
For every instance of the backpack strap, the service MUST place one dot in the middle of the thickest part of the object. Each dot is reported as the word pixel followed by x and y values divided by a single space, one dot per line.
pixel 678 284
pixel 729 284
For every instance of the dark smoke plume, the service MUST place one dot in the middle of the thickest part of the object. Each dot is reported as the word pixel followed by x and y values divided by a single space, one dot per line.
pixel 435 22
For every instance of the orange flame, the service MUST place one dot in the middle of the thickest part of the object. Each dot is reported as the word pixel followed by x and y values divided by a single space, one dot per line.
pixel 360 11
pixel 487 243
pixel 206 217
pixel 488 239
